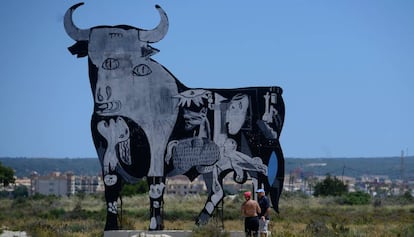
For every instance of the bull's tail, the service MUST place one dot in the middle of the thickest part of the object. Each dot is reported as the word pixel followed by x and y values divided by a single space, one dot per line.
pixel 277 167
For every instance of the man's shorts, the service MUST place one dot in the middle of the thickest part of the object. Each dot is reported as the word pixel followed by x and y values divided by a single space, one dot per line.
pixel 251 224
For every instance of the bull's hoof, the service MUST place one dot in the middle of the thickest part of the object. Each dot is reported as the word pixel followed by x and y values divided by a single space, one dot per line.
pixel 202 219
pixel 111 222
pixel 156 224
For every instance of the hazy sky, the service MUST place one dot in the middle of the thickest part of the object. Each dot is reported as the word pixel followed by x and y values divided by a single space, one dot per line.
pixel 346 67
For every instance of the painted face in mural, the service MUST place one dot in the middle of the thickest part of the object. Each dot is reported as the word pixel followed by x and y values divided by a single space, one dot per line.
pixel 230 146
pixel 236 113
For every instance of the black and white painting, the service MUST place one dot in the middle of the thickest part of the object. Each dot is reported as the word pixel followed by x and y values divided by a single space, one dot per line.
pixel 146 123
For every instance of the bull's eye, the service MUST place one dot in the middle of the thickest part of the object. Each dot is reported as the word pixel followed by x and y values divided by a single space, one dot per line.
pixel 110 64
pixel 141 70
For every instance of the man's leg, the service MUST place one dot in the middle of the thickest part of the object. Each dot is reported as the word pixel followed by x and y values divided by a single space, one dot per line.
pixel 252 227
pixel 256 227
pixel 246 228
pixel 263 227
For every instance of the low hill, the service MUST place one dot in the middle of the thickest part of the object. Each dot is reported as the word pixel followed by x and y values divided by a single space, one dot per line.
pixel 354 167
pixel 23 167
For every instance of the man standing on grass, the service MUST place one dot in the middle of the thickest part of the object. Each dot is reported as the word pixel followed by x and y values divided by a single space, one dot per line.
pixel 249 210
pixel 264 214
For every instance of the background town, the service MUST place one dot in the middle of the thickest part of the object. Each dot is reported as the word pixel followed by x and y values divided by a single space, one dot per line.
pixel 375 176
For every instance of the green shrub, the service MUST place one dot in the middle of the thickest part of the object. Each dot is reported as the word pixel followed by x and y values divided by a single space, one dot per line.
pixel 4 194
pixel 209 230
pixel 179 214
pixel 356 198
pixel 407 230
pixel 330 187
pixel 51 214
pixel 288 195
pixel 42 229
pixel 318 228
pixel 38 196
pixel 405 199
pixel 20 191
pixel 133 189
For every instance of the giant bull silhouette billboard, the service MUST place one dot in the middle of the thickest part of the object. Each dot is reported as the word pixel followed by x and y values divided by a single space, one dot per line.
pixel 146 123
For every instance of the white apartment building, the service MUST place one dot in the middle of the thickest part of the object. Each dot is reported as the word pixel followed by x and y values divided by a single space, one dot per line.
pixel 54 184
pixel 181 185
pixel 64 184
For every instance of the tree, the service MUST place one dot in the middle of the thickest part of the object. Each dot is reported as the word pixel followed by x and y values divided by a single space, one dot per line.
pixel 20 191
pixel 133 189
pixel 357 198
pixel 6 175
pixel 330 186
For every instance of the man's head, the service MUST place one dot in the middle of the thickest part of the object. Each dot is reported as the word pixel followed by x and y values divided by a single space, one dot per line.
pixel 260 192
pixel 247 195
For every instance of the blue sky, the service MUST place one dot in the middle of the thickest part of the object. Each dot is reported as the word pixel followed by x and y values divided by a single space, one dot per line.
pixel 346 67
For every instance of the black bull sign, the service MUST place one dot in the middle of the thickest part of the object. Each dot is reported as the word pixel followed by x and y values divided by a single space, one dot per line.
pixel 146 123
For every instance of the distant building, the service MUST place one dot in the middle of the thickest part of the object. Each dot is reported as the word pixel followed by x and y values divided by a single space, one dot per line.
pixel 64 184
pixel 54 184
pixel 22 182
pixel 293 183
pixel 181 185
pixel 89 184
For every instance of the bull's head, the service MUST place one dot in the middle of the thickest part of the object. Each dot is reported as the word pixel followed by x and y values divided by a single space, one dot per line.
pixel 124 80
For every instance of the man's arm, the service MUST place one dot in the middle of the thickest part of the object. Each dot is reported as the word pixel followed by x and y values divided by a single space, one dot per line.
pixel 258 210
pixel 267 212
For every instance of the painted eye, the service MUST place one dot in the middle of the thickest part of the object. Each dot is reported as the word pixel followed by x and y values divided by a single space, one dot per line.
pixel 110 64
pixel 141 70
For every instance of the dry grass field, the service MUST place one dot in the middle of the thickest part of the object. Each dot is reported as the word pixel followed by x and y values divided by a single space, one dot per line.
pixel 82 216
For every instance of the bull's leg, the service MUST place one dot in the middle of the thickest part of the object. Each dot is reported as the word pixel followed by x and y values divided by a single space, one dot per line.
pixel 216 194
pixel 158 138
pixel 156 195
pixel 113 186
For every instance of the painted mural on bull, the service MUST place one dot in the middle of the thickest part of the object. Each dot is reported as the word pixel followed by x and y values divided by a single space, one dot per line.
pixel 146 123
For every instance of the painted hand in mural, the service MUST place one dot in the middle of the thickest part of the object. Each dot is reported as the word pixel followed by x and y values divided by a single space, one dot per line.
pixel 241 162
pixel 113 207
pixel 270 117
pixel 198 119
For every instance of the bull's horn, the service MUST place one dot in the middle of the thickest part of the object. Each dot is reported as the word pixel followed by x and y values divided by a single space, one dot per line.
pixel 73 31
pixel 156 34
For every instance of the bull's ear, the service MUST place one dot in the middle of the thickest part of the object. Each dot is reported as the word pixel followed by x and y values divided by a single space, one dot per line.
pixel 80 49
pixel 147 51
